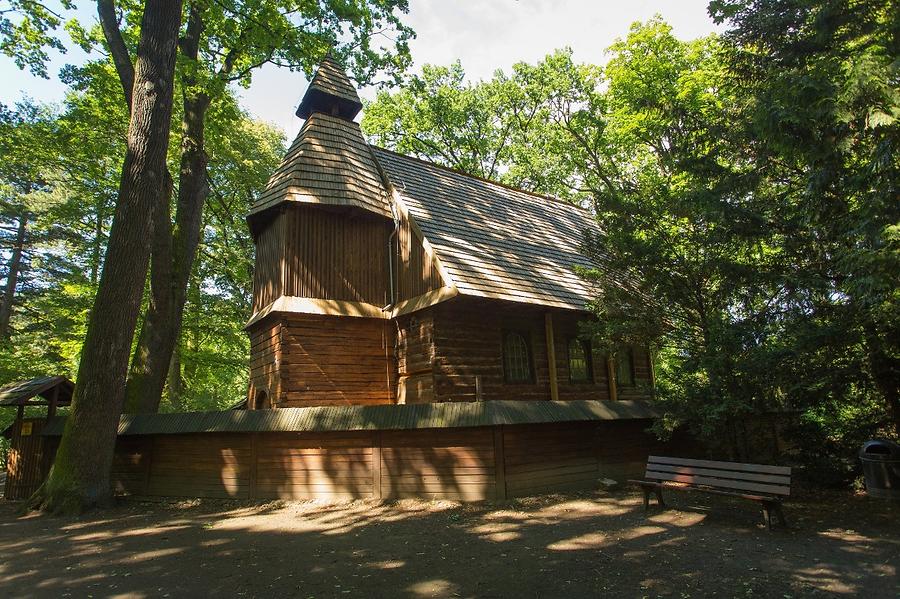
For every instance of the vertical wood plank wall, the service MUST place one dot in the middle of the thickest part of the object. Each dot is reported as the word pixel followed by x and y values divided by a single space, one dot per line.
pixel 265 360
pixel 416 272
pixel 466 464
pixel 27 462
pixel 268 267
pixel 335 255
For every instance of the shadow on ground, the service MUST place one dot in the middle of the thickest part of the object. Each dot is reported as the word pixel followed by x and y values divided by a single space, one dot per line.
pixel 574 545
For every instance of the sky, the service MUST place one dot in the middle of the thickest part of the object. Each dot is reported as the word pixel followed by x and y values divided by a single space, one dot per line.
pixel 485 35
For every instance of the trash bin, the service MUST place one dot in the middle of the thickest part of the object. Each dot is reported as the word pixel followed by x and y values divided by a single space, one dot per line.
pixel 881 468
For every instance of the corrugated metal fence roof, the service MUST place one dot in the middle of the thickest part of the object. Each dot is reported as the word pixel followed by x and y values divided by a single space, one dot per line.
pixel 388 417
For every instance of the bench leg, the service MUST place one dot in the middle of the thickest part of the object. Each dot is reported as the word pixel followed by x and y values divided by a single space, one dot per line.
pixel 780 512
pixel 767 514
pixel 659 498
pixel 646 491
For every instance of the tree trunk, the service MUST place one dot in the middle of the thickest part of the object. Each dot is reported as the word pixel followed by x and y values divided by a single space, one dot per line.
pixel 174 384
pixel 80 475
pixel 12 276
pixel 173 257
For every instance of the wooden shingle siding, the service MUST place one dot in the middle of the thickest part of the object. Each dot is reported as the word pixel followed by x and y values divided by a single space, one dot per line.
pixel 330 360
pixel 330 88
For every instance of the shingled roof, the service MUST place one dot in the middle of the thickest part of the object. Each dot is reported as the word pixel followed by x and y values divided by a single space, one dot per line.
pixel 328 163
pixel 492 240
pixel 495 241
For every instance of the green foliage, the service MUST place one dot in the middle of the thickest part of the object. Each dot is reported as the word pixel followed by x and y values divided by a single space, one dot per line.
pixel 504 129
pixel 27 30
pixel 746 190
pixel 74 154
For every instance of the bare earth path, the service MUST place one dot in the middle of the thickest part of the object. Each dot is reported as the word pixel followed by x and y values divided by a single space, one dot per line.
pixel 553 546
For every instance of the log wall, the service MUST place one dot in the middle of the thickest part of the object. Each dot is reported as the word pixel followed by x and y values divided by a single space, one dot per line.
pixel 304 360
pixel 468 464
pixel 465 344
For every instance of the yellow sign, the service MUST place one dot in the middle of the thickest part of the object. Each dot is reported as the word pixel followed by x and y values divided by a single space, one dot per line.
pixel 26 429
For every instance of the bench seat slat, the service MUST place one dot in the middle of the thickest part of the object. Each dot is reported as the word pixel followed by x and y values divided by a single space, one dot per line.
pixel 717 482
pixel 673 486
pixel 759 468
pixel 727 474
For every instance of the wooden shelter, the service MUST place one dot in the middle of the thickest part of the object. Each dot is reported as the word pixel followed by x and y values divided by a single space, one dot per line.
pixel 384 279
pixel 28 460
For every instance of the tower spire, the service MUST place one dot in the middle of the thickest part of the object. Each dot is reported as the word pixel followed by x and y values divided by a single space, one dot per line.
pixel 330 92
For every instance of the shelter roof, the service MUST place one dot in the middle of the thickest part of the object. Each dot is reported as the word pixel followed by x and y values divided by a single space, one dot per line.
pixel 37 391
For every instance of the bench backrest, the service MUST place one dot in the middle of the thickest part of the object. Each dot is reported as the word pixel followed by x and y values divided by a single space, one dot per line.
pixel 733 476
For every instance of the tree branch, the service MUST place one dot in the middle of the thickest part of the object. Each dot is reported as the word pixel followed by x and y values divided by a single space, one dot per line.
pixel 106 9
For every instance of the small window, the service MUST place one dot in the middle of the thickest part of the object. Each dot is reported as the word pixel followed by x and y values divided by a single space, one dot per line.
pixel 625 368
pixel 262 401
pixel 580 367
pixel 516 358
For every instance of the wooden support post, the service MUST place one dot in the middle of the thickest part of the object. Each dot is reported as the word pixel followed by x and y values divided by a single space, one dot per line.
pixel 376 465
pixel 254 465
pixel 51 409
pixel 499 463
pixel 149 464
pixel 551 356
pixel 20 413
pixel 611 377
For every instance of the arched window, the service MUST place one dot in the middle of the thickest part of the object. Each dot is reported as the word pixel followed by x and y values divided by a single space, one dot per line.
pixel 580 366
pixel 262 401
pixel 624 368
pixel 516 358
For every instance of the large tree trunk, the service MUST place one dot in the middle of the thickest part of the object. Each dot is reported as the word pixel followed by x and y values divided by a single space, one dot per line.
pixel 173 256
pixel 12 276
pixel 175 384
pixel 80 474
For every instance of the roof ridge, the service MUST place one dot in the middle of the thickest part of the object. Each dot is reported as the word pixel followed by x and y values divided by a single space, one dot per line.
pixel 483 179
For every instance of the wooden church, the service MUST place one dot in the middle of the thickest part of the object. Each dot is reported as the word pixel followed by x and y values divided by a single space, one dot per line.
pixel 385 279
pixel 405 319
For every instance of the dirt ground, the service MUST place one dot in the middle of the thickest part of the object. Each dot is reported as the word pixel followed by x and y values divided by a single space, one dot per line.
pixel 553 546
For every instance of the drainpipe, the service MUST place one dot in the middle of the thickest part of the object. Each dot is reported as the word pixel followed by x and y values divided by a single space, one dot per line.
pixel 390 252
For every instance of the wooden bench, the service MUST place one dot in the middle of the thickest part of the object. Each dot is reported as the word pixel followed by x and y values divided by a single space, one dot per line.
pixel 766 485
